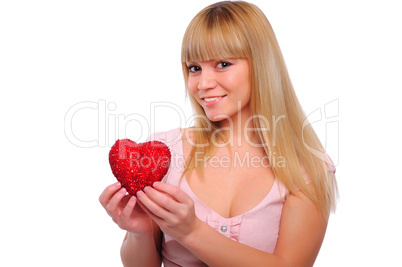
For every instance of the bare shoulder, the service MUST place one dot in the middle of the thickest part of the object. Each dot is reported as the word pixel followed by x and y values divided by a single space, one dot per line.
pixel 301 232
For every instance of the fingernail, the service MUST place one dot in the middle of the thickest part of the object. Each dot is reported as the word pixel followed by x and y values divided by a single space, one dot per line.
pixel 146 189
pixel 117 184
pixel 132 199
pixel 123 191
pixel 156 184
pixel 140 194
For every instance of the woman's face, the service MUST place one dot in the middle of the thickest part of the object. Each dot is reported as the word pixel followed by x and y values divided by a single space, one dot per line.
pixel 221 87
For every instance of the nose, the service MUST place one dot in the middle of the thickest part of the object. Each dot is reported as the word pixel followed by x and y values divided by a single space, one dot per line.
pixel 207 80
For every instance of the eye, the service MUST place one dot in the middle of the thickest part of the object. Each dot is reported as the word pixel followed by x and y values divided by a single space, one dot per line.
pixel 223 64
pixel 193 68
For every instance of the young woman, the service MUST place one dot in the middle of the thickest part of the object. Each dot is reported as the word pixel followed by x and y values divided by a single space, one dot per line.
pixel 255 187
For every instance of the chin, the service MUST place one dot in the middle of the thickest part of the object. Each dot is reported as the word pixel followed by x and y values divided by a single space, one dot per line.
pixel 217 117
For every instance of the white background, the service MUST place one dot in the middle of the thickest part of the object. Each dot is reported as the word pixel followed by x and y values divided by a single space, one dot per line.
pixel 56 55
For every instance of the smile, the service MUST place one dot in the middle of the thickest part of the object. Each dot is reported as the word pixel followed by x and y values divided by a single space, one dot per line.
pixel 209 101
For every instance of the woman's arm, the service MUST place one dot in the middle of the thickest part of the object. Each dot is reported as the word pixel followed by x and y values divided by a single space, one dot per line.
pixel 302 230
pixel 141 246
pixel 142 250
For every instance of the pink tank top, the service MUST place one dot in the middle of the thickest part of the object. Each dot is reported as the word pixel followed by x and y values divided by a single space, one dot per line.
pixel 257 228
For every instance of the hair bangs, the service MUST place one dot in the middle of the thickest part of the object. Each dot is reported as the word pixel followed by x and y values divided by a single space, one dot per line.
pixel 214 36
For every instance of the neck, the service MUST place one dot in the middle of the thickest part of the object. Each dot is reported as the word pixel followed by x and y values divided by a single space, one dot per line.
pixel 239 129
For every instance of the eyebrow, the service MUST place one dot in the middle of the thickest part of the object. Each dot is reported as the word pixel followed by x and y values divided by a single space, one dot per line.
pixel 216 59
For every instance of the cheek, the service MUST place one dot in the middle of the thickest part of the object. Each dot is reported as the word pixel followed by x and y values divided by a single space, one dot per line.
pixel 241 83
pixel 245 79
pixel 246 84
pixel 192 86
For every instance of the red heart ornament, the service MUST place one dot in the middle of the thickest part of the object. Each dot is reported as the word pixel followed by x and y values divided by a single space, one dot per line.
pixel 139 165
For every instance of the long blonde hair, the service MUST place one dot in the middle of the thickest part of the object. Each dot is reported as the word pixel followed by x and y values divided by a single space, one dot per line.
pixel 237 29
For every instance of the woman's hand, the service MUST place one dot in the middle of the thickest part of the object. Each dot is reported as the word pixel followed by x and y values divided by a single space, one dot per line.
pixel 124 211
pixel 171 208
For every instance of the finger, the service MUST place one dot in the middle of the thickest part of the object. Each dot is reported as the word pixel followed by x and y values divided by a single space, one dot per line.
pixel 108 193
pixel 162 199
pixel 115 200
pixel 128 209
pixel 174 191
pixel 147 211
pixel 152 206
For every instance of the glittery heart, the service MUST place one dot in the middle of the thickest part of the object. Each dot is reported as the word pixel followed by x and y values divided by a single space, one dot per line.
pixel 139 165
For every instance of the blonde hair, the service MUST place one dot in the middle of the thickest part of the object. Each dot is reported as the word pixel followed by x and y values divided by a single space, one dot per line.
pixel 237 29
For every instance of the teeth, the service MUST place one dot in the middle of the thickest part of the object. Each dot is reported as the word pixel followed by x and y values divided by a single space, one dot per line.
pixel 211 99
